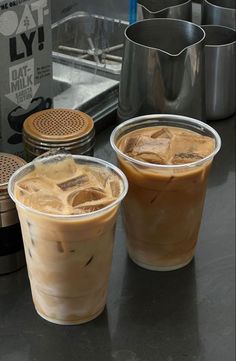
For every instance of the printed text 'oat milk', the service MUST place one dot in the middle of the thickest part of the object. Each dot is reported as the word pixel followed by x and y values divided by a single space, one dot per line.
pixel 25 66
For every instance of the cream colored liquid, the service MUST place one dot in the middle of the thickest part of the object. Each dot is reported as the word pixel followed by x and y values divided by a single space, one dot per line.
pixel 68 259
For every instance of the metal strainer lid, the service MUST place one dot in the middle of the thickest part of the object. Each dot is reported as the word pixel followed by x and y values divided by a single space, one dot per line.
pixel 8 165
pixel 56 125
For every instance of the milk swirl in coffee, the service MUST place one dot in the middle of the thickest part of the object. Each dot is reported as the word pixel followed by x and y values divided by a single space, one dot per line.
pixel 68 210
pixel 163 208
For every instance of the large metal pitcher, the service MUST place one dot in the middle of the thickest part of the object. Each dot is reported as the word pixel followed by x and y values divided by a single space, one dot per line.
pixel 220 71
pixel 219 12
pixel 175 9
pixel 163 69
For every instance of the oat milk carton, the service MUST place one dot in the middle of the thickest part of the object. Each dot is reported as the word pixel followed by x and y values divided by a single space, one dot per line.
pixel 25 66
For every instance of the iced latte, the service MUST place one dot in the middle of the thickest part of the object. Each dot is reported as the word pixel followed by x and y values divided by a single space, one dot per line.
pixel 167 165
pixel 67 208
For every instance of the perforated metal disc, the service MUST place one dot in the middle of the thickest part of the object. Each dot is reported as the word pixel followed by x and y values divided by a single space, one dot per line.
pixel 58 125
pixel 8 165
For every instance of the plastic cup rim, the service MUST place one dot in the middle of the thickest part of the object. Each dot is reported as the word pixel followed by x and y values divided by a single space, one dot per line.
pixel 167 117
pixel 72 217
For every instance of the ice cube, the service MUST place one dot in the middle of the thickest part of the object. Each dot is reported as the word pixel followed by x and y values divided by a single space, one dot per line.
pixel 129 144
pixel 79 181
pixel 45 202
pixel 99 176
pixel 85 195
pixel 115 188
pixel 61 168
pixel 32 232
pixel 151 158
pixel 183 158
pixel 92 206
pixel 152 150
pixel 188 148
pixel 162 133
pixel 32 185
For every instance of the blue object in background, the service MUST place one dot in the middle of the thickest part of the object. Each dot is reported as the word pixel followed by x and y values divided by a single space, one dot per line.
pixel 132 11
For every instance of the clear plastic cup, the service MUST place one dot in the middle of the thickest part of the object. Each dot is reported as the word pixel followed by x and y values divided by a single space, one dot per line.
pixel 68 256
pixel 163 208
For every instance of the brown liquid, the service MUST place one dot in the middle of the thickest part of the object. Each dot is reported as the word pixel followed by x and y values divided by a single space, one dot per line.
pixel 68 259
pixel 163 208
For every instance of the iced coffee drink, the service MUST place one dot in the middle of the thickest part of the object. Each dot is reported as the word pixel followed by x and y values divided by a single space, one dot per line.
pixel 167 165
pixel 67 208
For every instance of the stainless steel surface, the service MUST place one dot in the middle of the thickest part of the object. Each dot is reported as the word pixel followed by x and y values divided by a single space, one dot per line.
pixel 35 149
pixel 11 246
pixel 113 57
pixel 88 40
pixel 220 65
pixel 8 165
pixel 87 53
pixel 162 69
pixel 196 13
pixel 219 12
pixel 8 213
pixel 6 203
pixel 80 89
pixel 109 8
pixel 175 9
pixel 12 262
pixel 59 86
pixel 51 129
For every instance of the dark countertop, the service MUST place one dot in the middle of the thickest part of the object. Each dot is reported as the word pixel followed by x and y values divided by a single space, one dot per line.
pixel 184 315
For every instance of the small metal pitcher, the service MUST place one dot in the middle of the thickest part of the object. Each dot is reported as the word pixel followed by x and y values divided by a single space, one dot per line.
pixel 220 69
pixel 219 12
pixel 163 69
pixel 175 9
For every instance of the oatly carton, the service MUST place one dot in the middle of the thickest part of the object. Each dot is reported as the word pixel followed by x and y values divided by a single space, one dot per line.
pixel 25 67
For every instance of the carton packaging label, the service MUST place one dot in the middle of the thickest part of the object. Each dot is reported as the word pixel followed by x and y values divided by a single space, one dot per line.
pixel 25 66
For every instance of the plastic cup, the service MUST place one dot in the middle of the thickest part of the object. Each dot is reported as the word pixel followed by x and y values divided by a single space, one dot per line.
pixel 163 208
pixel 68 256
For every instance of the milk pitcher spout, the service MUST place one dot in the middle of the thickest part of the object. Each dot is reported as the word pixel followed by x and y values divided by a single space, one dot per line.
pixel 163 69
pixel 175 9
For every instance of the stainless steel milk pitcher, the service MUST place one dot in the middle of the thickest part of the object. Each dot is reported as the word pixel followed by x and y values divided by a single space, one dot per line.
pixel 219 12
pixel 220 71
pixel 175 9
pixel 163 69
